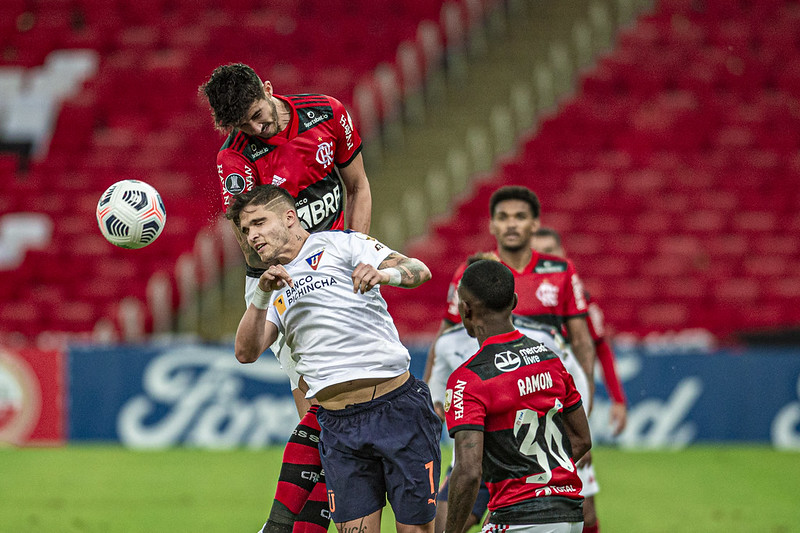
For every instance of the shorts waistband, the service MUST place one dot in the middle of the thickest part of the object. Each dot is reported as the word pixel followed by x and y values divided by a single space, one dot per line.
pixel 366 406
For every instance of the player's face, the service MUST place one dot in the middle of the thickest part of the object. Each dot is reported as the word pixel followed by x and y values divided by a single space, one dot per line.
pixel 261 119
pixel 513 225
pixel 546 244
pixel 266 232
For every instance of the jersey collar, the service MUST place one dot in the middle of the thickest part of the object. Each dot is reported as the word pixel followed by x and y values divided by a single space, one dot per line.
pixel 503 338
pixel 526 268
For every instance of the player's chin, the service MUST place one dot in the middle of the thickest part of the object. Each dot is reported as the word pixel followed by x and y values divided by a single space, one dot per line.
pixel 514 244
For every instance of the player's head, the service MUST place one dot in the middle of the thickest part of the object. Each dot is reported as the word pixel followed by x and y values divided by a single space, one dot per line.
pixel 266 216
pixel 486 297
pixel 488 256
pixel 240 100
pixel 514 216
pixel 547 241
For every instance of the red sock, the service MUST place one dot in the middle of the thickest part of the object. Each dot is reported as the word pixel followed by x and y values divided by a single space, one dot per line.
pixel 315 517
pixel 301 468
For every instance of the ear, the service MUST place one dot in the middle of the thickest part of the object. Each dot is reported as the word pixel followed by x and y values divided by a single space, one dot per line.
pixel 536 224
pixel 291 218
pixel 515 302
pixel 466 310
pixel 268 88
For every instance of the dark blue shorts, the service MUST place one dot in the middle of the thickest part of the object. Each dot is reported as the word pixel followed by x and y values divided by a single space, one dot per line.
pixel 481 501
pixel 388 446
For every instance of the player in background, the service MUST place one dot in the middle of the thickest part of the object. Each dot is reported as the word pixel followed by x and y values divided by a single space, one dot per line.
pixel 308 145
pixel 453 348
pixel 516 418
pixel 549 289
pixel 548 241
pixel 379 433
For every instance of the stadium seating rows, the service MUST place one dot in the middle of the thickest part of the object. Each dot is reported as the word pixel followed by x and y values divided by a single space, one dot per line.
pixel 139 117
pixel 672 174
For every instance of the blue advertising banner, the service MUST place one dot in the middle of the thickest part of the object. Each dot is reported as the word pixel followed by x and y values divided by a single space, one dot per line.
pixel 676 400
pixel 199 395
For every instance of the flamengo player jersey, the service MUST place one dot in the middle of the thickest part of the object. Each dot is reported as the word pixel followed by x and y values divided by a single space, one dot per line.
pixel 302 159
pixel 515 390
pixel 337 335
pixel 548 288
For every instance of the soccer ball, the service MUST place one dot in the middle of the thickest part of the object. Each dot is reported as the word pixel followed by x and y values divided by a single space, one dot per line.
pixel 131 214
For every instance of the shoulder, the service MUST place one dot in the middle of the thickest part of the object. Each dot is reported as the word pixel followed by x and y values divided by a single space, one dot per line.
pixel 526 324
pixel 314 109
pixel 551 264
pixel 236 142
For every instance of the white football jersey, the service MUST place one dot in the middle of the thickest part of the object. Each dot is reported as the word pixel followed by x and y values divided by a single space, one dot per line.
pixel 454 346
pixel 337 335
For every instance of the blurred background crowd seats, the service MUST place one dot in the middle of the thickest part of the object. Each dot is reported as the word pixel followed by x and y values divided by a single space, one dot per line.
pixel 662 138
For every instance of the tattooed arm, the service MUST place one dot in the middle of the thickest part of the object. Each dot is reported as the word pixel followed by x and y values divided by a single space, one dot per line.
pixel 397 270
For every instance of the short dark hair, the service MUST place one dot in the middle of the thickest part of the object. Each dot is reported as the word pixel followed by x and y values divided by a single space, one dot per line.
pixel 259 195
pixel 515 192
pixel 491 283
pixel 231 91
pixel 544 231
pixel 474 258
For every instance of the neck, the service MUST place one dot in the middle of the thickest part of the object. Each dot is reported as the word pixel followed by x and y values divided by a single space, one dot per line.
pixel 516 259
pixel 284 113
pixel 490 328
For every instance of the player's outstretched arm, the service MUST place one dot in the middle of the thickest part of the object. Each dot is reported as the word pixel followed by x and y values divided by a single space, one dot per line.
pixel 580 339
pixel 255 333
pixel 359 195
pixel 396 270
pixel 465 479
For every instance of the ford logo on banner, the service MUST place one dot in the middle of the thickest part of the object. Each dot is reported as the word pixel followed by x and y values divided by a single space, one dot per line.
pixel 197 395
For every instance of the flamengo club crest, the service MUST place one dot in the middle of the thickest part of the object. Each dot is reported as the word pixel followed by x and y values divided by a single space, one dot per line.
pixel 547 293
pixel 20 399
pixel 325 154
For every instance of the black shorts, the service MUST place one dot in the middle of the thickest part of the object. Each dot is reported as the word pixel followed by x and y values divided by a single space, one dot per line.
pixel 388 446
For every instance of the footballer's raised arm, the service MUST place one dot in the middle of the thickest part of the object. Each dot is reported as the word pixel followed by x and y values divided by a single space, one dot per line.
pixel 396 270
pixel 413 272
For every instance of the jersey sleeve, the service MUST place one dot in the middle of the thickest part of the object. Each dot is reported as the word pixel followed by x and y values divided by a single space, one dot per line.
pixel 441 370
pixel 572 398
pixel 348 143
pixel 596 320
pixel 574 303
pixel 606 356
pixel 276 309
pixel 451 313
pixel 236 175
pixel 463 406
pixel 366 249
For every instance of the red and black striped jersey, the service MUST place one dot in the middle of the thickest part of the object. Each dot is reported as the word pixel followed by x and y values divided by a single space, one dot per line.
pixel 302 158
pixel 515 390
pixel 549 291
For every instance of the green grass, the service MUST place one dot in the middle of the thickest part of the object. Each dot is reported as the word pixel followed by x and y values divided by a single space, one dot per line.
pixel 113 490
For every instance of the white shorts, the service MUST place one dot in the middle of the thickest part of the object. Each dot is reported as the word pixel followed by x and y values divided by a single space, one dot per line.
pixel 589 481
pixel 586 473
pixel 558 527
pixel 282 352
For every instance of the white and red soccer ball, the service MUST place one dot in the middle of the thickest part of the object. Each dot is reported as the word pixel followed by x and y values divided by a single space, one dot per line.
pixel 131 214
